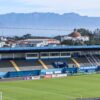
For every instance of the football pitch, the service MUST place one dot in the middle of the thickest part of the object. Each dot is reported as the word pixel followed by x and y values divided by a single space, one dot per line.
pixel 68 88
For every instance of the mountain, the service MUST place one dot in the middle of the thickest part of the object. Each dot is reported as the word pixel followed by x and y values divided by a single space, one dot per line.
pixel 48 20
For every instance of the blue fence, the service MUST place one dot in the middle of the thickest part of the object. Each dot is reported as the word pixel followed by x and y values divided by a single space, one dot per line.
pixel 88 69
pixel 51 71
pixel 22 73
pixel 71 71
pixel 2 74
pixel 38 72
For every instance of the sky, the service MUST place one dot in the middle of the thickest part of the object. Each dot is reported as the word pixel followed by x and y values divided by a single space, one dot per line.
pixel 82 7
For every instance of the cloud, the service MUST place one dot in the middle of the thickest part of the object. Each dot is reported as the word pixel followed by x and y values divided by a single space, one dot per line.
pixel 58 6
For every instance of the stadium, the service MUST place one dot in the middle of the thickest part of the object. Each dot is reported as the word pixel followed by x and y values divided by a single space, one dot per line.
pixel 49 49
pixel 75 68
pixel 27 59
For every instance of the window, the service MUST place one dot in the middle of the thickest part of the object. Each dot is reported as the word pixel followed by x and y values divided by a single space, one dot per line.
pixel 45 54
pixel 55 54
pixel 65 54
pixel 31 55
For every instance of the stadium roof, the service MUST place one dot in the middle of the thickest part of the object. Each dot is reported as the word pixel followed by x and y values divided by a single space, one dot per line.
pixel 50 48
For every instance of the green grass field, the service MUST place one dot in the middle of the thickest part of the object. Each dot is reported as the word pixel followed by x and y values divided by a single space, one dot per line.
pixel 68 88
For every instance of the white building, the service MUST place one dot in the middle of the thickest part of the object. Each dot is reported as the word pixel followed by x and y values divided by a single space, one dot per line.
pixel 38 42
pixel 75 36
pixel 2 41
pixel 2 44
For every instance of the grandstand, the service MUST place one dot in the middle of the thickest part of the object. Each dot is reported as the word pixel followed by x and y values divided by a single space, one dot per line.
pixel 6 66
pixel 28 64
pixel 37 58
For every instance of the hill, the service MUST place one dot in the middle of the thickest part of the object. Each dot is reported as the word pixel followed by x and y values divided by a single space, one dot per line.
pixel 48 20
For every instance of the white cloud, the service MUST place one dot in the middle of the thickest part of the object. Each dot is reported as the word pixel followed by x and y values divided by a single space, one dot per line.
pixel 84 7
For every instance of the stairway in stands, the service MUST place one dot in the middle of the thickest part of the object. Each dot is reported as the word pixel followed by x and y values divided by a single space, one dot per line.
pixel 43 64
pixel 76 62
pixel 97 57
pixel 15 65
pixel 92 60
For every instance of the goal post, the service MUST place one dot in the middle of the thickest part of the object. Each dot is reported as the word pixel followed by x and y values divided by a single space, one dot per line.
pixel 0 95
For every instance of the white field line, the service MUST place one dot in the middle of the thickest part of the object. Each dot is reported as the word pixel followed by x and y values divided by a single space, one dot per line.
pixel 46 92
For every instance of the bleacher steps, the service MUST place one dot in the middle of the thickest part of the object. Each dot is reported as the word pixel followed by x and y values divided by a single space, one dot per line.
pixel 78 65
pixel 43 64
pixel 15 65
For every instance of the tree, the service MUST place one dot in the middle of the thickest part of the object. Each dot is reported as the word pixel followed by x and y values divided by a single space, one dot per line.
pixel 26 36
pixel 96 36
pixel 16 37
pixel 85 32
